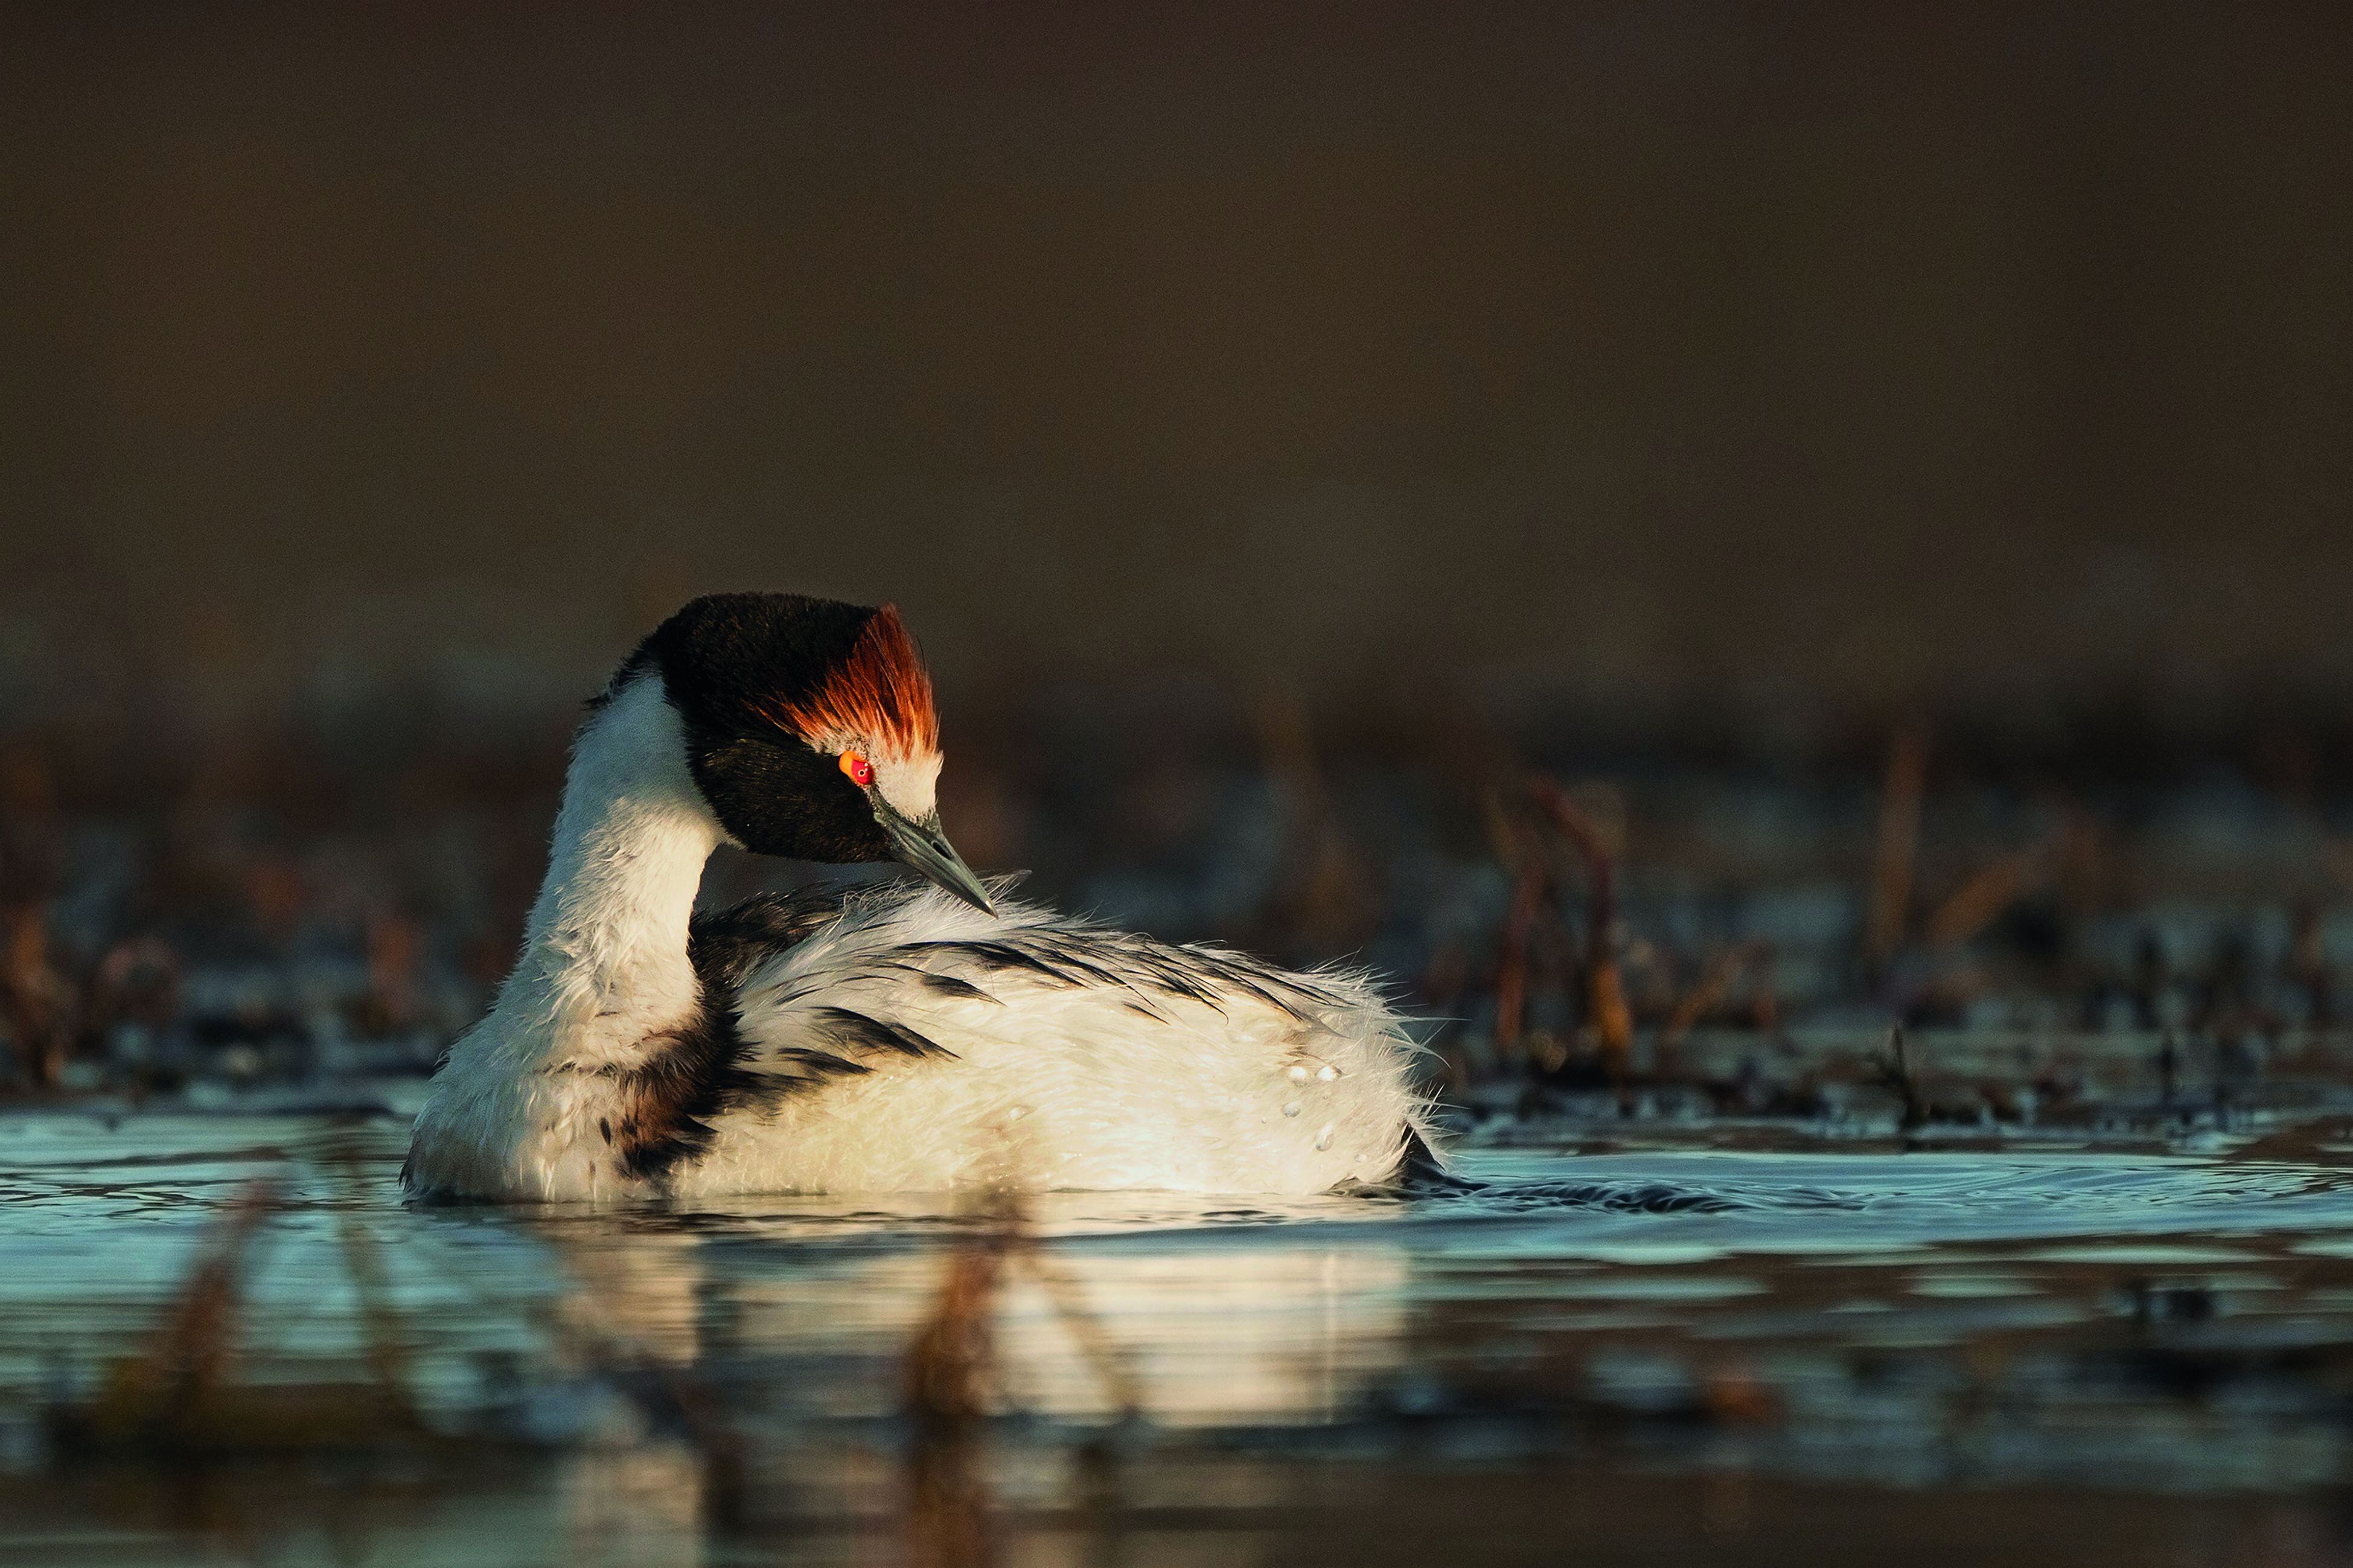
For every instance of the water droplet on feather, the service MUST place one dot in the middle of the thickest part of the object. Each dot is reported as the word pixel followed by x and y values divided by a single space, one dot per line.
pixel 1326 1074
pixel 1291 1109
pixel 1297 1074
pixel 1324 1139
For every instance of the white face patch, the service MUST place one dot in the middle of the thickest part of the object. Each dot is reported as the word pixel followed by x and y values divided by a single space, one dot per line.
pixel 909 786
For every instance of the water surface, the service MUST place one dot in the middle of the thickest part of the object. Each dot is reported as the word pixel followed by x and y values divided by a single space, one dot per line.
pixel 1625 1353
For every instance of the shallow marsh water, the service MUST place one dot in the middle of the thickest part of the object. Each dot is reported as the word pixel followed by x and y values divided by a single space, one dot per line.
pixel 1603 1352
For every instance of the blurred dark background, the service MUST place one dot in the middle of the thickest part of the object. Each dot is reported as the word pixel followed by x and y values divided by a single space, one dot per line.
pixel 1818 352
pixel 1890 461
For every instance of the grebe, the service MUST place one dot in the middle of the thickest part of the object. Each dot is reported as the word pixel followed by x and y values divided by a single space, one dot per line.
pixel 908 1037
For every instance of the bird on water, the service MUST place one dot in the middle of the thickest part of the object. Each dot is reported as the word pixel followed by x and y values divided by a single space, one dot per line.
pixel 921 1036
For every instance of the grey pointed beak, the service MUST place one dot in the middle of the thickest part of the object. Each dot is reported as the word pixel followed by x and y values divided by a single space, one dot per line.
pixel 923 846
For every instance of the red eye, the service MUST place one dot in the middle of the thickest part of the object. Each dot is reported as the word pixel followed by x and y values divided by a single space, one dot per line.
pixel 861 771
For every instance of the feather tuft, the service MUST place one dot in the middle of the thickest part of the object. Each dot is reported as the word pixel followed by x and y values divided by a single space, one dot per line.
pixel 881 694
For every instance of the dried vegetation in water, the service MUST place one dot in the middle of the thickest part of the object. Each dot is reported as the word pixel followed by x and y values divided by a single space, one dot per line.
pixel 2117 927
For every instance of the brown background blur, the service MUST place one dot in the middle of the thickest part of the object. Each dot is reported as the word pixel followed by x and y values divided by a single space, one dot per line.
pixel 1843 354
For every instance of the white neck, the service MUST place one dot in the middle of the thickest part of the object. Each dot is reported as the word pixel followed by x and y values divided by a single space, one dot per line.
pixel 604 961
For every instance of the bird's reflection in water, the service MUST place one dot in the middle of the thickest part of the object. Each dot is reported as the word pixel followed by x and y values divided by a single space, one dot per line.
pixel 658 1464
pixel 1054 1309
pixel 638 1291
pixel 637 1506
pixel 947 1388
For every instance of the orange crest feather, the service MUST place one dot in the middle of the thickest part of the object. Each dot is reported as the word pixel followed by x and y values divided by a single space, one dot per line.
pixel 880 693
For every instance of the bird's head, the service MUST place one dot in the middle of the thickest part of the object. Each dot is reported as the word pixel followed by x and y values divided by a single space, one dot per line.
pixel 809 729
